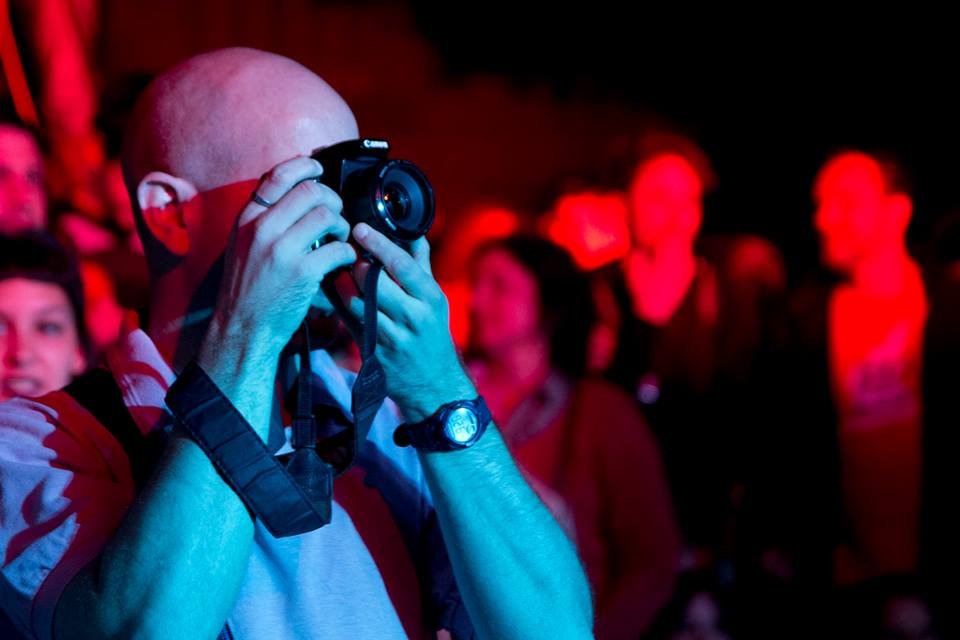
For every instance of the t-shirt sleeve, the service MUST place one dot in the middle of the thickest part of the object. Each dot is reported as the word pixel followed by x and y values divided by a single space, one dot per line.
pixel 65 484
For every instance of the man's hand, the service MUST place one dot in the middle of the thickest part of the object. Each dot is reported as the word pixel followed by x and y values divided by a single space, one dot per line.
pixel 414 344
pixel 517 570
pixel 270 273
pixel 270 276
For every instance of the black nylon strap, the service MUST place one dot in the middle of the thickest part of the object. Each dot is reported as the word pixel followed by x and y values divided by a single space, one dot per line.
pixel 295 498
pixel 370 387
pixel 304 424
pixel 269 491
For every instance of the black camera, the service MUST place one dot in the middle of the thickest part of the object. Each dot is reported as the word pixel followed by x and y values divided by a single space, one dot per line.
pixel 392 196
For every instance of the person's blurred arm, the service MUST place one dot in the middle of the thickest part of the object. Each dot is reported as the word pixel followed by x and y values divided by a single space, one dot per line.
pixel 60 34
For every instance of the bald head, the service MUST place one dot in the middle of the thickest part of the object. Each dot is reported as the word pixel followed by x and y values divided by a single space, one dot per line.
pixel 230 115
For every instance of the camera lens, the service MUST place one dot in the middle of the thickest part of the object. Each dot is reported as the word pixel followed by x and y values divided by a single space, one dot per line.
pixel 404 199
pixel 396 200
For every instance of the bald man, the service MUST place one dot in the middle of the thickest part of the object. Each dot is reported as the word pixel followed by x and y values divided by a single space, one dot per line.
pixel 874 334
pixel 843 483
pixel 875 321
pixel 88 555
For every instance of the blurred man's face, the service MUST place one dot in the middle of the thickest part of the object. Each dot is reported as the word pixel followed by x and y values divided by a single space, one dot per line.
pixel 39 345
pixel 665 201
pixel 23 203
pixel 850 197
pixel 505 306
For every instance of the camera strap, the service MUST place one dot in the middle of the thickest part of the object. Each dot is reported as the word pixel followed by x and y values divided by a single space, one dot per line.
pixel 370 387
pixel 294 495
pixel 369 391
pixel 309 466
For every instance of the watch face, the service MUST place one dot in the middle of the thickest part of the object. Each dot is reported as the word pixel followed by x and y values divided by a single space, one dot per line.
pixel 461 425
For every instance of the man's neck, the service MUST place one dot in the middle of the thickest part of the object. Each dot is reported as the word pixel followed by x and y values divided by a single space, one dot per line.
pixel 885 273
pixel 515 371
pixel 659 277
pixel 177 325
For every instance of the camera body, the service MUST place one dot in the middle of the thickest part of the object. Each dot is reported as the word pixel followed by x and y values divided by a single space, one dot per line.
pixel 392 196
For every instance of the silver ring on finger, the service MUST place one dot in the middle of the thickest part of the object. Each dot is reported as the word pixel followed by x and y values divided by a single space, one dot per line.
pixel 255 197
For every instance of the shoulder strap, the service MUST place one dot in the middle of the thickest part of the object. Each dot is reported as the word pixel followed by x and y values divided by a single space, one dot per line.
pixel 98 393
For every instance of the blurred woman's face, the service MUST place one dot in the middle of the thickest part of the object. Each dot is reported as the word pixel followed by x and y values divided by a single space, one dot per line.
pixel 505 303
pixel 39 345
pixel 23 202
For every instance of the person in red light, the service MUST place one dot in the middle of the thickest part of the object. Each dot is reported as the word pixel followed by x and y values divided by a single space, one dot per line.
pixel 695 341
pixel 591 225
pixel 43 342
pixel 580 440
pixel 23 201
pixel 875 325
pixel 848 458
pixel 666 197
pixel 476 225
pixel 57 41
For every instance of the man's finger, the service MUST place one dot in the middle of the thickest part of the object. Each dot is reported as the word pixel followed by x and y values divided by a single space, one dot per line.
pixel 420 249
pixel 386 328
pixel 295 204
pixel 318 224
pixel 398 263
pixel 391 299
pixel 328 258
pixel 278 181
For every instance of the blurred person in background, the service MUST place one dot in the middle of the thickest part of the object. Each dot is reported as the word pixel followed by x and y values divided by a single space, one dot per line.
pixel 479 223
pixel 697 343
pixel 591 224
pixel 23 200
pixel 845 484
pixel 43 342
pixel 581 441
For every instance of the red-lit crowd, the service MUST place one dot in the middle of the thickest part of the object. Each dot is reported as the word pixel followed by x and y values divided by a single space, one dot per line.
pixel 733 458
pixel 734 455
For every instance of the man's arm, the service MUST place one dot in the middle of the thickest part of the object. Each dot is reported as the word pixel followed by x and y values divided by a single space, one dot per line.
pixel 518 572
pixel 174 566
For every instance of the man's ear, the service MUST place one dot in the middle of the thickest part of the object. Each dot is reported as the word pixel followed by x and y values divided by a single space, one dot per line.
pixel 161 197
pixel 690 219
pixel 900 210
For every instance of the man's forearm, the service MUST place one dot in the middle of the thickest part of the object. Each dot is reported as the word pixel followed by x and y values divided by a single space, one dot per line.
pixel 175 564
pixel 517 570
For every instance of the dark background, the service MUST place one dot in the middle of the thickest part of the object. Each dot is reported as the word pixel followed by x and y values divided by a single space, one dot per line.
pixel 768 94
pixel 508 101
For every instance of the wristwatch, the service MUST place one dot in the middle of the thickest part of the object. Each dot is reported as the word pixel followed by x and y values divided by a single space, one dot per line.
pixel 456 425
